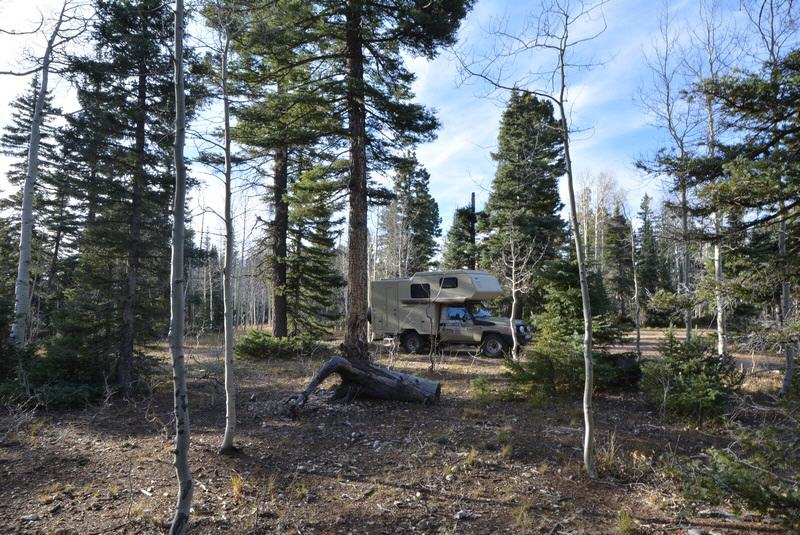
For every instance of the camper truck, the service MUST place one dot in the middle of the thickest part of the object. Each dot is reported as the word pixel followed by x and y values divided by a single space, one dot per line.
pixel 442 308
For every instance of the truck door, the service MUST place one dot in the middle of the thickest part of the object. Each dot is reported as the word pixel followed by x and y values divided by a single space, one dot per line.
pixel 456 324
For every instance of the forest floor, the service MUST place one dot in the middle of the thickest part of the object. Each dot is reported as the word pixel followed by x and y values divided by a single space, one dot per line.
pixel 462 465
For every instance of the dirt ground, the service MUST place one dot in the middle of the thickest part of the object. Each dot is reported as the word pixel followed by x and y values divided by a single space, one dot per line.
pixel 459 466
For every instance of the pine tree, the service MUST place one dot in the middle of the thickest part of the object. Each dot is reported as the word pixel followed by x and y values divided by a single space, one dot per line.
pixel 525 188
pixel 375 79
pixel 411 222
pixel 762 169
pixel 524 195
pixel 652 270
pixel 126 85
pixel 287 112
pixel 52 215
pixel 312 278
pixel 460 251
pixel 618 262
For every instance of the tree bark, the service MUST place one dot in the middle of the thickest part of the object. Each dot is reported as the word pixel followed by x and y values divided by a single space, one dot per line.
pixel 472 220
pixel 637 311
pixel 372 382
pixel 687 255
pixel 514 312
pixel 177 282
pixel 125 364
pixel 588 411
pixel 356 332
pixel 230 380
pixel 22 287
pixel 719 301
pixel 279 231
pixel 786 314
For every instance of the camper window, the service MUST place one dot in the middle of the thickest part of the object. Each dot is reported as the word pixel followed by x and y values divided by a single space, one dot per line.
pixel 420 291
pixel 448 282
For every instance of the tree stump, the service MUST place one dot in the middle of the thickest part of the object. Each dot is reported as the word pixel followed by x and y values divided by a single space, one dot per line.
pixel 360 378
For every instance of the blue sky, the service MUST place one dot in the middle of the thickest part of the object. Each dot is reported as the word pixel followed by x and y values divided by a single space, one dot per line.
pixel 604 101
pixel 615 129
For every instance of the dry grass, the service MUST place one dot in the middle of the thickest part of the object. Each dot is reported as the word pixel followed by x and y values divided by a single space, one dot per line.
pixel 237 487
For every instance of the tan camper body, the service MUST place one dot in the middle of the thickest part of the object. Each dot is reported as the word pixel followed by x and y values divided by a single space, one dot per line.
pixel 418 310
pixel 395 309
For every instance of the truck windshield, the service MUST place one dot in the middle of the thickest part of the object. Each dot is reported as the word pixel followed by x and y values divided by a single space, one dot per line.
pixel 477 310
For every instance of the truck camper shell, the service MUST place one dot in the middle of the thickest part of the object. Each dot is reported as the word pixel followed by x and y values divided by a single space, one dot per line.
pixel 401 304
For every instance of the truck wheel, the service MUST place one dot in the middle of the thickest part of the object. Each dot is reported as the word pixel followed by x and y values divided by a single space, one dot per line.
pixel 411 342
pixel 493 346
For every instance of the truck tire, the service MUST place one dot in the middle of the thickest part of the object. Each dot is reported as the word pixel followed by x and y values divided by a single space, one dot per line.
pixel 493 346
pixel 412 342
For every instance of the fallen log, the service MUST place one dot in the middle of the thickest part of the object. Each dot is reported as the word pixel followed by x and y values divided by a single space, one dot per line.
pixel 366 380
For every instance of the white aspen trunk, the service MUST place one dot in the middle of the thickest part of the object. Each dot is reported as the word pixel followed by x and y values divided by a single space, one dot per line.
pixel 711 135
pixel 588 411
pixel 22 294
pixel 719 279
pixel 636 305
pixel 597 235
pixel 230 379
pixel 515 344
pixel 211 294
pixel 586 202
pixel 182 469
pixel 686 251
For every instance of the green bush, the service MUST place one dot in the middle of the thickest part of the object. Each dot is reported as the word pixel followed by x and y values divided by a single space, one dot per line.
pixel 760 470
pixel 616 370
pixel 559 370
pixel 262 345
pixel 481 389
pixel 690 381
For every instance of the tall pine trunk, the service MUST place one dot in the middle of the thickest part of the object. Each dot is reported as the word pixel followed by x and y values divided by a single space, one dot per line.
pixel 227 297
pixel 472 219
pixel 356 333
pixel 786 311
pixel 22 288
pixel 279 231
pixel 177 285
pixel 125 364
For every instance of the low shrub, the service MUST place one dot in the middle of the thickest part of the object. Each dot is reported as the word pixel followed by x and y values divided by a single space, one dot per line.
pixel 481 389
pixel 559 369
pixel 62 377
pixel 760 470
pixel 690 381
pixel 262 345
pixel 617 370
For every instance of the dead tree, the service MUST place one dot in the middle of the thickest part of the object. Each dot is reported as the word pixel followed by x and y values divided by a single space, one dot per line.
pixel 365 380
pixel 519 261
